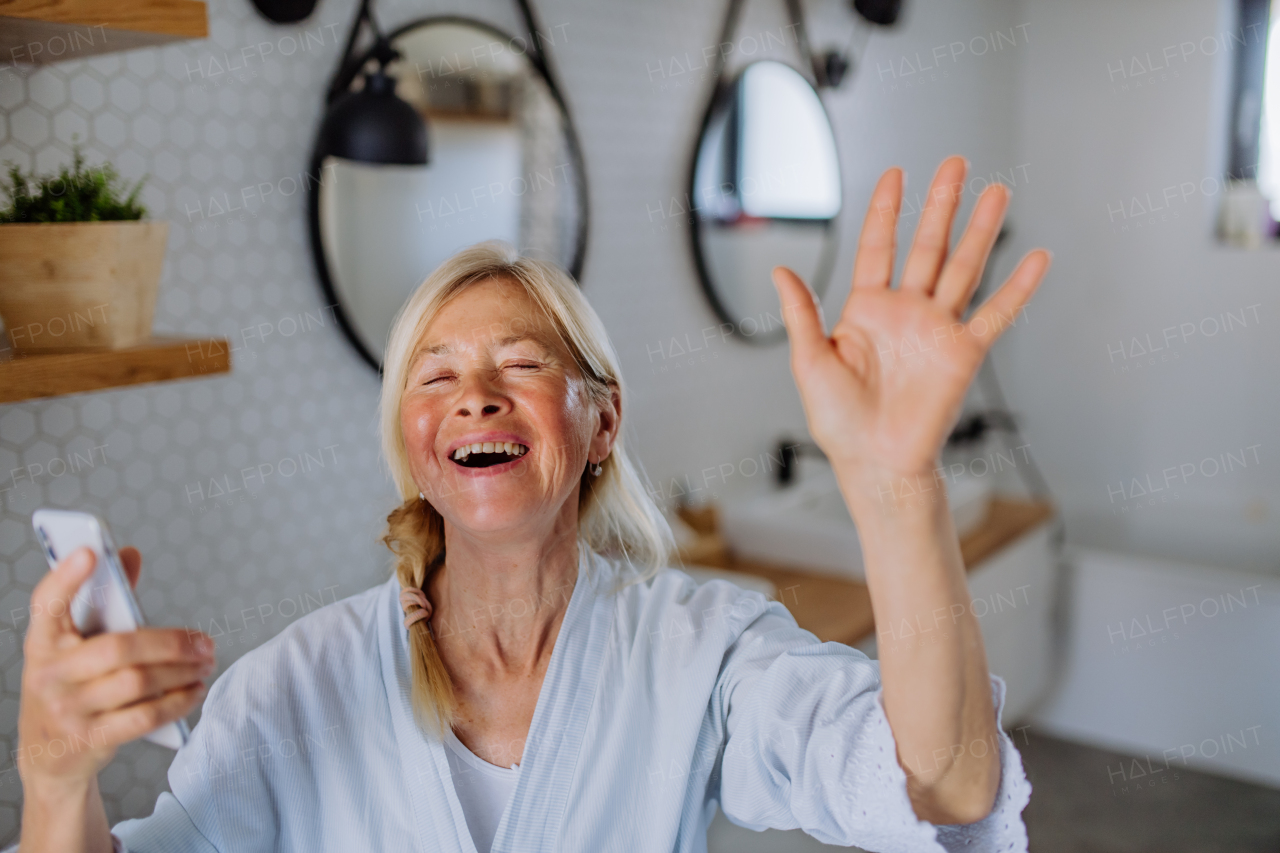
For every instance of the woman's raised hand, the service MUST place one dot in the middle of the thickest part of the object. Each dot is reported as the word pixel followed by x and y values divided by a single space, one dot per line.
pixel 882 392
pixel 83 697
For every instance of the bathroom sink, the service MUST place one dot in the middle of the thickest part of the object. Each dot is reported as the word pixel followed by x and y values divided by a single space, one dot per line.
pixel 808 526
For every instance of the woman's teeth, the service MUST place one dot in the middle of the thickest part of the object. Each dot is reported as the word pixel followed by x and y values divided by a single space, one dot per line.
pixel 508 447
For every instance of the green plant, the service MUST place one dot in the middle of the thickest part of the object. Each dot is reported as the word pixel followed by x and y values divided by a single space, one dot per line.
pixel 77 195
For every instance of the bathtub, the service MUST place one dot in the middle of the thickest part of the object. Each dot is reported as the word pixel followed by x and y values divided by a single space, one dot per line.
pixel 1174 663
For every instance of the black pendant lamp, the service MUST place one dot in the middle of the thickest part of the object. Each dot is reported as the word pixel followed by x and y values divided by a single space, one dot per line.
pixel 285 11
pixel 372 124
pixel 882 12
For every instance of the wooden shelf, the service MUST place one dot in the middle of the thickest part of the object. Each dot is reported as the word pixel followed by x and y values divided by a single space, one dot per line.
pixel 159 360
pixel 37 32
pixel 839 610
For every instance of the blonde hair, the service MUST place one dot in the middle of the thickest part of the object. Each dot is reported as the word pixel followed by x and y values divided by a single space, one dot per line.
pixel 616 515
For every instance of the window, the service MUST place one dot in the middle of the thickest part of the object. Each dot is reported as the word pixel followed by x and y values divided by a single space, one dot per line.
pixel 1268 148
pixel 1251 204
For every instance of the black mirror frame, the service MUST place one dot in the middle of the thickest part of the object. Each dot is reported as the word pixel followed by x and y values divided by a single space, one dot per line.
pixel 721 97
pixel 539 62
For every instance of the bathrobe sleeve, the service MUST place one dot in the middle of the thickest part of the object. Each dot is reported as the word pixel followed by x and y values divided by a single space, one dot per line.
pixel 295 749
pixel 222 798
pixel 808 746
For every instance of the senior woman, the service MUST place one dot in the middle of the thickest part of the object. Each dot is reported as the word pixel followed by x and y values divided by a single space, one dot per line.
pixel 531 679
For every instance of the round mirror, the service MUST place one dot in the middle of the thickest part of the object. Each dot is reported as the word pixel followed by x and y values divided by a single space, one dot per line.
pixel 766 188
pixel 504 163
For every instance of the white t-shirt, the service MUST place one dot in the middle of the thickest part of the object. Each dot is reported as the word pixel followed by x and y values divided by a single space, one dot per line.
pixel 483 789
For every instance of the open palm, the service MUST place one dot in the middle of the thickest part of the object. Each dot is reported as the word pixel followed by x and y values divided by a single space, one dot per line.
pixel 882 392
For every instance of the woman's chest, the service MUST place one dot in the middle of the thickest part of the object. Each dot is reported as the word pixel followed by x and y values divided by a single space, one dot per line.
pixel 492 719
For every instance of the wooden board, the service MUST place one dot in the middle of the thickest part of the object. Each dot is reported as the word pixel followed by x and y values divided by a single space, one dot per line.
pixel 37 32
pixel 158 360
pixel 832 608
pixel 839 610
pixel 1008 520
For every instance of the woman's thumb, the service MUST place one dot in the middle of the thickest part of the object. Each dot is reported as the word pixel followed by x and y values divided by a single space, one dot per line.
pixel 51 599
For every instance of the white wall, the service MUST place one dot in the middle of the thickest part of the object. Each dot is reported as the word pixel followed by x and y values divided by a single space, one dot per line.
pixel 1096 138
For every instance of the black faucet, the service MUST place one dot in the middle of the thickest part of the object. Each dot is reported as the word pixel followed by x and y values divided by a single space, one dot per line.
pixel 974 427
pixel 789 452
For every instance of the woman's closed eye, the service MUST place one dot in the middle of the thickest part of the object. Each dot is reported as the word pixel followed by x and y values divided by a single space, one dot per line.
pixel 435 379
pixel 522 366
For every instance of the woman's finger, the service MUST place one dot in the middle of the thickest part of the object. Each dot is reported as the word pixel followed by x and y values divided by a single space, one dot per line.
pixel 933 234
pixel 961 274
pixel 51 624
pixel 132 722
pixel 1001 310
pixel 138 683
pixel 801 313
pixel 131 562
pixel 873 266
pixel 105 653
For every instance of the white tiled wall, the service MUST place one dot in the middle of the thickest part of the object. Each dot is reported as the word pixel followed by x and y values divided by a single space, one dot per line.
pixel 244 566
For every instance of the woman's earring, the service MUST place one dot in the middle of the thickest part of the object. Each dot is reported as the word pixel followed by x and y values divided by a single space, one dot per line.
pixel 421 496
pixel 597 470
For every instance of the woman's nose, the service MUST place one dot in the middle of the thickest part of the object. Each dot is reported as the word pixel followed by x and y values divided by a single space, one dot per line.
pixel 479 397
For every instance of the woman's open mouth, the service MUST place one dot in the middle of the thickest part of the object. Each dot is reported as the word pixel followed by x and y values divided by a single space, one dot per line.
pixel 489 453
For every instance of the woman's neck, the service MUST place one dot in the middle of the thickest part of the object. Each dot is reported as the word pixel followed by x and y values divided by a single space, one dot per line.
pixel 501 607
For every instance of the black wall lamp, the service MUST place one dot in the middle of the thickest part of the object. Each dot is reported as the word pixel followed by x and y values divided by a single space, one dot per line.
pixel 285 11
pixel 832 66
pixel 882 12
pixel 371 124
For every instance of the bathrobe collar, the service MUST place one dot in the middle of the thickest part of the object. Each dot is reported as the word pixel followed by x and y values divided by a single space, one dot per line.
pixel 535 814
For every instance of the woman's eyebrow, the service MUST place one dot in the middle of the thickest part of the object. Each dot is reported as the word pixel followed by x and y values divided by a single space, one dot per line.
pixel 438 349
pixel 445 349
pixel 524 336
pixel 424 352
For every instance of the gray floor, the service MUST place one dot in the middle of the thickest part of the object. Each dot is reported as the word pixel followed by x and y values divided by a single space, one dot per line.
pixel 1083 804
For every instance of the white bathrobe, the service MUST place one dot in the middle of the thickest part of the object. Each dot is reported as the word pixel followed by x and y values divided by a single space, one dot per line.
pixel 659 701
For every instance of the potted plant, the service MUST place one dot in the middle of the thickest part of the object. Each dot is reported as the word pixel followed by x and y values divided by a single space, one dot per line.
pixel 78 268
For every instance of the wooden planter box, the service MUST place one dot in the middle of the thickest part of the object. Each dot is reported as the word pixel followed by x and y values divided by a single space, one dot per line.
pixel 70 286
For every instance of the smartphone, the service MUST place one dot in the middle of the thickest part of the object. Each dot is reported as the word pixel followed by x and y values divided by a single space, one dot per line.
pixel 104 601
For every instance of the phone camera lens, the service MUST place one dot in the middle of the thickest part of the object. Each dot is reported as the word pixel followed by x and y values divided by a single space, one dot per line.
pixel 44 540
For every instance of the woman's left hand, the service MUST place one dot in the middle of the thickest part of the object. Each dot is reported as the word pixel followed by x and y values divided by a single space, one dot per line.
pixel 883 391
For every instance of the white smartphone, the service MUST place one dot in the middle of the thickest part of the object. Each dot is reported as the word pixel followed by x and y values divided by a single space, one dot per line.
pixel 104 602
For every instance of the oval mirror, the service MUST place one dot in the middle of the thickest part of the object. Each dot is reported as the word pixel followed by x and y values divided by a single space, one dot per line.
pixel 504 163
pixel 766 188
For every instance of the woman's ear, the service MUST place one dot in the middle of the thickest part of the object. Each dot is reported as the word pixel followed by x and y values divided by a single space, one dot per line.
pixel 607 427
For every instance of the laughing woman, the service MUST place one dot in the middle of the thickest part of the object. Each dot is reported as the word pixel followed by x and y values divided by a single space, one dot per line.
pixel 532 678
